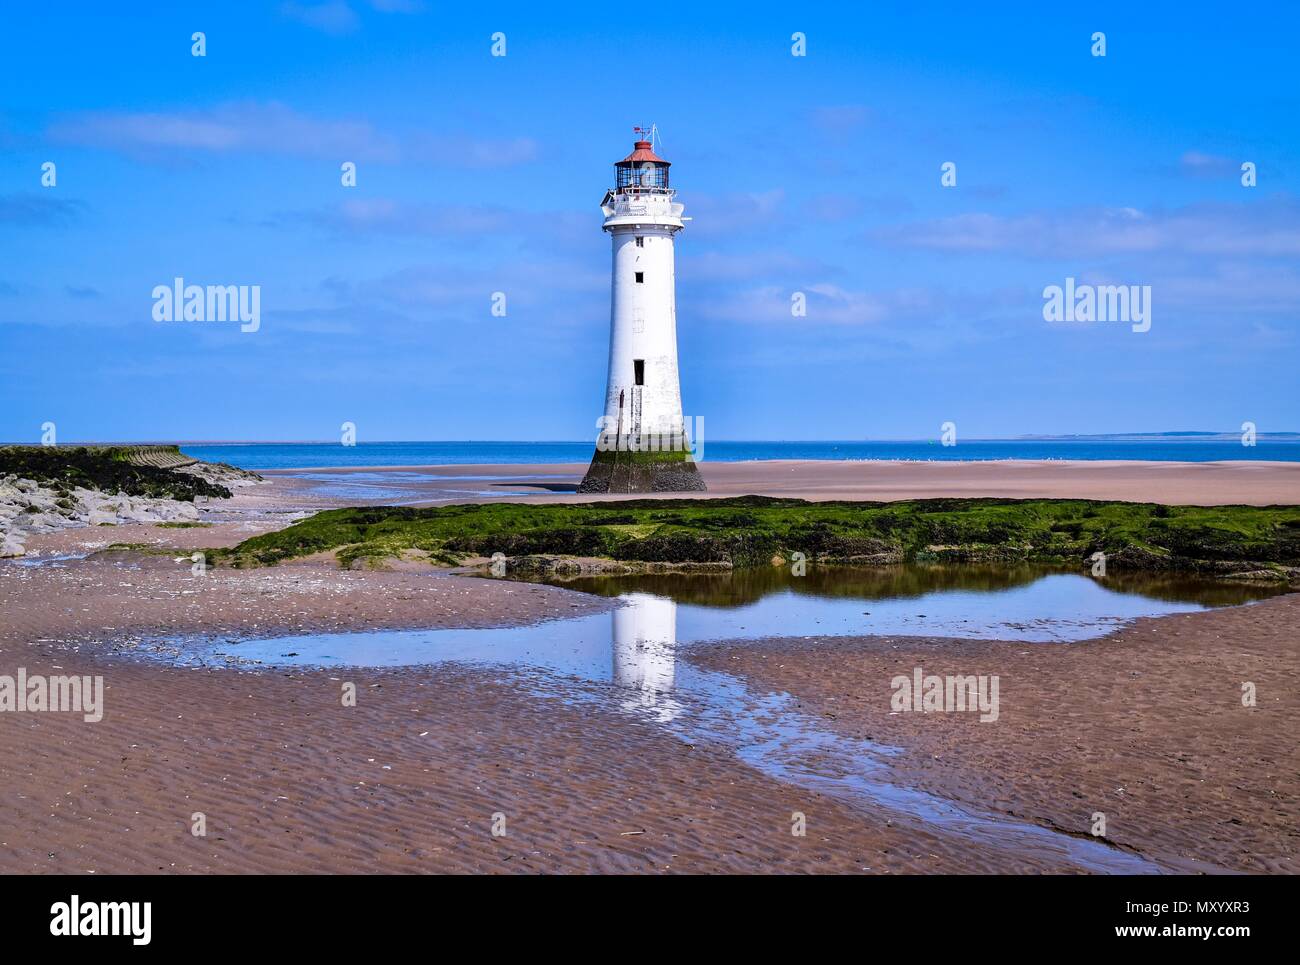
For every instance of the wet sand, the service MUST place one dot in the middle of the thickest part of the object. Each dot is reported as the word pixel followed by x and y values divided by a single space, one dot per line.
pixel 1175 483
pixel 409 779
pixel 1145 725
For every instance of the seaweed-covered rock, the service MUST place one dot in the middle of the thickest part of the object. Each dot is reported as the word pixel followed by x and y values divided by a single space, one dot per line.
pixel 46 488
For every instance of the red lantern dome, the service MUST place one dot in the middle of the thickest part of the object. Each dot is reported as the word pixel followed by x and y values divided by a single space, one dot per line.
pixel 642 171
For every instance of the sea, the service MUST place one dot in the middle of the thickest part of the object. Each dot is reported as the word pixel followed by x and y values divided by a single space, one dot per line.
pixel 301 455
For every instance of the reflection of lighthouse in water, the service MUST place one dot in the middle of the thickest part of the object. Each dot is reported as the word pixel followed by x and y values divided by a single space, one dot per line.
pixel 645 637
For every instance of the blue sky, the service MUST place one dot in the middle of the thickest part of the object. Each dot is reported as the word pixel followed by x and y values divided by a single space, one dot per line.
pixel 479 174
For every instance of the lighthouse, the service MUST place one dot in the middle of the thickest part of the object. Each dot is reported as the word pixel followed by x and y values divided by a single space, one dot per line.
pixel 644 444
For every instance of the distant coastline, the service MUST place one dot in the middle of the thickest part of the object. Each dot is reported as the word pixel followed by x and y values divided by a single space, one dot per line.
pixel 305 456
pixel 1192 435
pixel 1193 447
pixel 1195 435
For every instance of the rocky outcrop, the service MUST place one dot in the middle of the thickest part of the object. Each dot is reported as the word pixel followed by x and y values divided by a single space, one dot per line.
pixel 28 508
pixel 101 486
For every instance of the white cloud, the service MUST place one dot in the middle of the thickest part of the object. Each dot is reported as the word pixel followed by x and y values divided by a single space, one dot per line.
pixel 1199 164
pixel 392 217
pixel 332 17
pixel 275 128
pixel 471 152
pixel 337 16
pixel 827 304
pixel 1266 228
pixel 716 265
pixel 730 213
pixel 270 128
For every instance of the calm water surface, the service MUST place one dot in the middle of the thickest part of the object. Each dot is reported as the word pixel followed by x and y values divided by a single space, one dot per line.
pixel 301 455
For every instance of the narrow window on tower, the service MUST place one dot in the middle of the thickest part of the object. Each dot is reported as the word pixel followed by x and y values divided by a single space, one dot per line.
pixel 638 371
pixel 640 242
pixel 640 277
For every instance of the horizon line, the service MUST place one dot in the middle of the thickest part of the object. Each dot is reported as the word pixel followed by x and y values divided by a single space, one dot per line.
pixel 1177 435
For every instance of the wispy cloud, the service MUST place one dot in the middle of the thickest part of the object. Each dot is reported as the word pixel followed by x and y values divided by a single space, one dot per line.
pixel 338 17
pixel 1201 165
pixel 730 213
pixel 403 306
pixel 271 128
pixel 727 266
pixel 1230 290
pixel 832 207
pixel 331 17
pixel 32 209
pixel 826 304
pixel 397 6
pixel 275 128
pixel 1266 229
pixel 387 216
pixel 473 152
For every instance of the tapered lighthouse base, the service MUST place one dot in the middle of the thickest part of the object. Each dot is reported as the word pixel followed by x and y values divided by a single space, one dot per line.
pixel 642 472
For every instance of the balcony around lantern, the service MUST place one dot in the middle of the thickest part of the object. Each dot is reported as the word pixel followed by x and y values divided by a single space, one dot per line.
pixel 647 206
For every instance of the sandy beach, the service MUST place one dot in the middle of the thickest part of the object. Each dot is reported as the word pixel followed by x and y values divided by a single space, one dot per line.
pixel 1175 483
pixel 1144 725
pixel 408 780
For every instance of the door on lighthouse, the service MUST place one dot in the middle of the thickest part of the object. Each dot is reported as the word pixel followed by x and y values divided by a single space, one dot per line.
pixel 638 384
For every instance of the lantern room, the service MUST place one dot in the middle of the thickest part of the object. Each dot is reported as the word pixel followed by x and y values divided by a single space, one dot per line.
pixel 642 171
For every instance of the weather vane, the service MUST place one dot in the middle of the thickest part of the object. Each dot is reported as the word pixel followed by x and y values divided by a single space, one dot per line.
pixel 650 134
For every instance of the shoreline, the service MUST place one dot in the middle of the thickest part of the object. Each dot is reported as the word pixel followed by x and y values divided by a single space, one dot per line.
pixel 1173 483
pixel 578 466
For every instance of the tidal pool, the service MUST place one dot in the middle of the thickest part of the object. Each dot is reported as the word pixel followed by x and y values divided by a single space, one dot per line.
pixel 55 560
pixel 628 661
pixel 401 488
pixel 1028 606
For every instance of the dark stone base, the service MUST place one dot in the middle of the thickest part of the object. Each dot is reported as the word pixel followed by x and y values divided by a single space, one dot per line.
pixel 619 472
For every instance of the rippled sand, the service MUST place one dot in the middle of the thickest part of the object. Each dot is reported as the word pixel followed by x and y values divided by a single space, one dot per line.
pixel 1144 725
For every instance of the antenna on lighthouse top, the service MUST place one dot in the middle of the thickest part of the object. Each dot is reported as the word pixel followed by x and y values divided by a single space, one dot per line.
pixel 650 134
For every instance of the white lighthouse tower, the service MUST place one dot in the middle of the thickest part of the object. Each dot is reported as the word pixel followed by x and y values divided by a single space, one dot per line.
pixel 643 444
